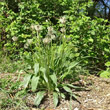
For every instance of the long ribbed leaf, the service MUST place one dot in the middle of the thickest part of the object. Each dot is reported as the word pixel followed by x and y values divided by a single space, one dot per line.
pixel 67 89
pixel 64 75
pixel 26 80
pixel 75 87
pixel 73 64
pixel 43 70
pixel 39 97
pixel 62 95
pixel 54 78
pixel 36 68
pixel 34 83
pixel 55 98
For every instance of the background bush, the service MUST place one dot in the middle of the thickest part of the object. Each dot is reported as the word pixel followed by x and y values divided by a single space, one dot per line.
pixel 90 36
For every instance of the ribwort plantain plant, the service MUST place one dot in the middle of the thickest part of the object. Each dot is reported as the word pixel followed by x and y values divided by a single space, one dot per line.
pixel 51 64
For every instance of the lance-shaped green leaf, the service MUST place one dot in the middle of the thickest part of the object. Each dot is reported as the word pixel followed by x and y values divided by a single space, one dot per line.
pixel 73 64
pixel 62 95
pixel 43 70
pixel 75 87
pixel 39 97
pixel 64 75
pixel 55 98
pixel 36 68
pixel 67 89
pixel 74 96
pixel 54 78
pixel 34 83
pixel 26 80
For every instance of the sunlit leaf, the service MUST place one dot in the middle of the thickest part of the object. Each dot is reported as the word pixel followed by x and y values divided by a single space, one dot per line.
pixel 43 70
pixel 26 80
pixel 54 78
pixel 105 74
pixel 57 89
pixel 34 83
pixel 75 87
pixel 62 95
pixel 55 98
pixel 107 64
pixel 64 75
pixel 74 96
pixel 36 68
pixel 67 89
pixel 39 97
pixel 73 64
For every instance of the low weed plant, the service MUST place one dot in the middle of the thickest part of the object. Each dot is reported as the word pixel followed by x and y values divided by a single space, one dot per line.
pixel 52 66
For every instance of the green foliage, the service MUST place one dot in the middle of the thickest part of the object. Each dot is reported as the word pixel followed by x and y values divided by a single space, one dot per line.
pixel 53 36
pixel 16 27
pixel 50 66
pixel 106 73
pixel 91 37
pixel 7 88
pixel 40 96
pixel 10 66
pixel 55 98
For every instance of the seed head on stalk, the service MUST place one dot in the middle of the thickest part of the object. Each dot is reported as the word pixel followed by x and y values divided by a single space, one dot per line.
pixel 53 37
pixel 63 30
pixel 38 28
pixel 50 30
pixel 14 38
pixel 46 40
pixel 26 46
pixel 62 20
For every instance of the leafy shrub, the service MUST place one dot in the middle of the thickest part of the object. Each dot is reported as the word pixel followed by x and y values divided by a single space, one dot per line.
pixel 106 73
pixel 16 26
pixel 90 36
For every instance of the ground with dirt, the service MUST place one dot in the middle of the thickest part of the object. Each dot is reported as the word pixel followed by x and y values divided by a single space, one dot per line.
pixel 96 96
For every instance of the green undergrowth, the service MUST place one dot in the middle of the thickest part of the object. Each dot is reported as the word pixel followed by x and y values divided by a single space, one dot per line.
pixel 8 65
pixel 9 100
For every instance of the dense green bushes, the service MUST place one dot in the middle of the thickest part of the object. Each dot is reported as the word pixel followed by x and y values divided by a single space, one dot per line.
pixel 90 37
